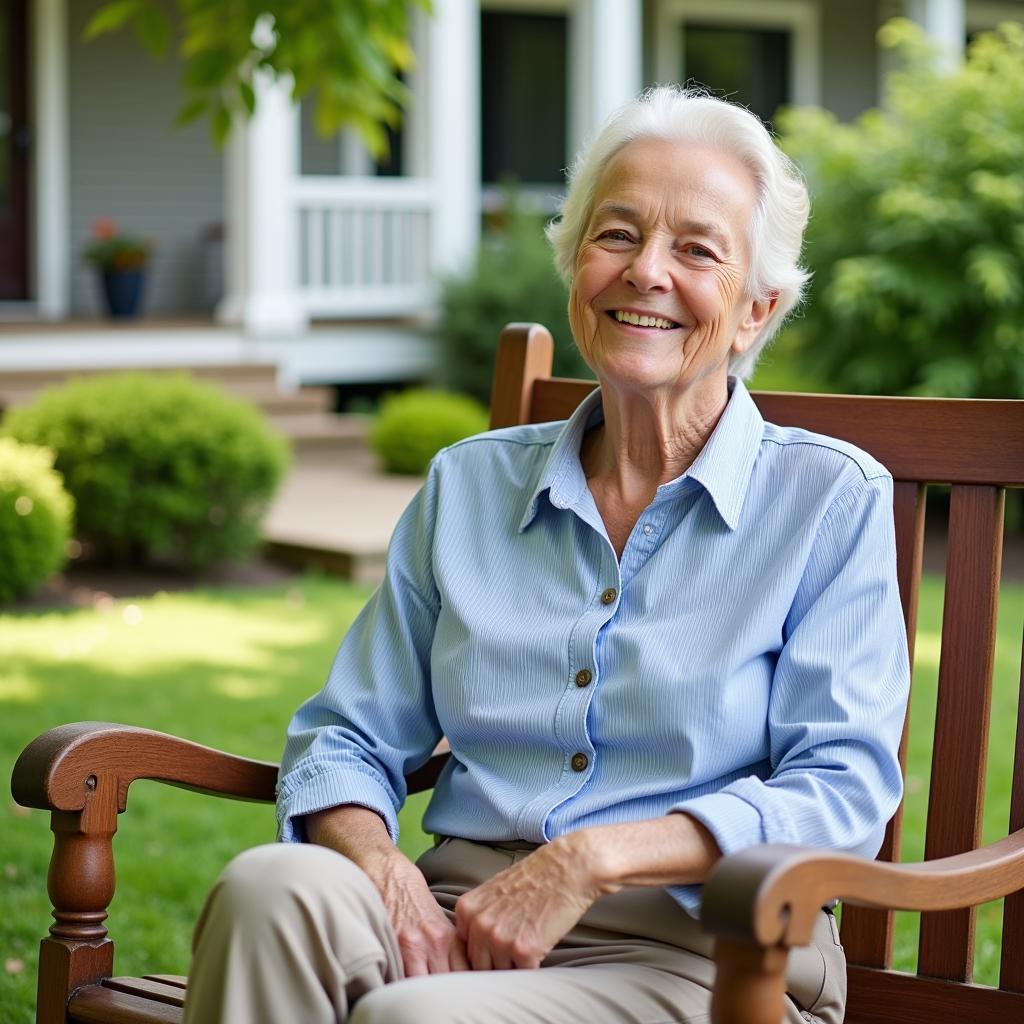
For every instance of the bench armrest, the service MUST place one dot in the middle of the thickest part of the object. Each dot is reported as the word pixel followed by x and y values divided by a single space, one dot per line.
pixel 763 900
pixel 60 768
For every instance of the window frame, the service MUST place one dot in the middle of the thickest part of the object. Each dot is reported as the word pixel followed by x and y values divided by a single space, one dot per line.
pixel 800 18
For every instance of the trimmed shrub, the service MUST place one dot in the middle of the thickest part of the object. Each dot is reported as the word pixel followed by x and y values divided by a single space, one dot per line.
pixel 514 279
pixel 161 467
pixel 35 518
pixel 413 426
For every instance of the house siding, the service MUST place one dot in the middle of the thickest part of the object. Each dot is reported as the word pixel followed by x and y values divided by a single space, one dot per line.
pixel 128 162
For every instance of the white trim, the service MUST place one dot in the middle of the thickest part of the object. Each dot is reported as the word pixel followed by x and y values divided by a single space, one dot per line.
pixel 800 17
pixel 985 15
pixel 51 262
pixel 453 135
pixel 325 354
pixel 943 22
pixel 598 86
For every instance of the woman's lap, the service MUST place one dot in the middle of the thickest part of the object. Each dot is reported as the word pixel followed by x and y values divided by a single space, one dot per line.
pixel 635 958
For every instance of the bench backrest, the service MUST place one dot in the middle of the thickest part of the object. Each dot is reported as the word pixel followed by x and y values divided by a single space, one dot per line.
pixel 977 447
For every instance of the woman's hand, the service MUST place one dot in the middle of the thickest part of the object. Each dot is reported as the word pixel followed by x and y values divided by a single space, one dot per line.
pixel 517 917
pixel 427 939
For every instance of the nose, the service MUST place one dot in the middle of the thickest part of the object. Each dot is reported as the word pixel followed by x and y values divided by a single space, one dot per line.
pixel 647 271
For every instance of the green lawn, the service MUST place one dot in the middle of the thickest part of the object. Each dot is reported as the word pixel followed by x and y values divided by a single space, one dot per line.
pixel 227 668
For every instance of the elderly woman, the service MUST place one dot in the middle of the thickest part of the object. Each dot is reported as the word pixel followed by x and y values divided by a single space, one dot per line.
pixel 654 634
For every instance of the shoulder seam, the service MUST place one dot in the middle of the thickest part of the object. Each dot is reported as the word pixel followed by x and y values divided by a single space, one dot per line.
pixel 481 438
pixel 881 475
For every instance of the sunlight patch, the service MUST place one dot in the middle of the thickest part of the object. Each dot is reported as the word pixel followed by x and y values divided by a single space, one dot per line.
pixel 926 649
pixel 244 687
pixel 20 689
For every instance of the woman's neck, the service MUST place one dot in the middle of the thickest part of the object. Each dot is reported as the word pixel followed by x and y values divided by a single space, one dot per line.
pixel 648 439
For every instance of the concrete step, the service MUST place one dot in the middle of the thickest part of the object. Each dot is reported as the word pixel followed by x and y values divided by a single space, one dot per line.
pixel 18 387
pixel 322 430
pixel 335 513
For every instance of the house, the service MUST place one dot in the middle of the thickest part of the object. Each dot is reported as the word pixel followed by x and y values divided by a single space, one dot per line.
pixel 288 248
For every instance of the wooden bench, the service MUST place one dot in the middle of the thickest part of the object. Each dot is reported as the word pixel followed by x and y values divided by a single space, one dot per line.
pixel 759 902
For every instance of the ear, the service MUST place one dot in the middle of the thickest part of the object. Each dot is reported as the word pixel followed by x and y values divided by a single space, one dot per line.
pixel 754 319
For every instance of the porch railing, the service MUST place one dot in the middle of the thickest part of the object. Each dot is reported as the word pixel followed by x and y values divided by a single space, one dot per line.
pixel 364 245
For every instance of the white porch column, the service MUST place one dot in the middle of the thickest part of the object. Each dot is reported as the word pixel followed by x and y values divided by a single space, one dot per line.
pixel 452 78
pixel 605 59
pixel 51 256
pixel 262 244
pixel 944 21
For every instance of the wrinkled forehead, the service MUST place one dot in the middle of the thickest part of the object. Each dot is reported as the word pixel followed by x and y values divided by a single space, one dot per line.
pixel 678 182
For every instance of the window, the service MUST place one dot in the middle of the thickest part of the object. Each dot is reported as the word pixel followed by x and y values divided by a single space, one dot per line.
pixel 748 65
pixel 523 96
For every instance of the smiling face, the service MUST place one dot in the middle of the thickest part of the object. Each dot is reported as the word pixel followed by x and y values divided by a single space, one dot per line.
pixel 658 294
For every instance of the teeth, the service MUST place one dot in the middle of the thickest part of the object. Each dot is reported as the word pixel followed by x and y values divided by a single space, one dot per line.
pixel 643 321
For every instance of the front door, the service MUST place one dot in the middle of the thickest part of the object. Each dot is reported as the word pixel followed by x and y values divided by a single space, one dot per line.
pixel 14 141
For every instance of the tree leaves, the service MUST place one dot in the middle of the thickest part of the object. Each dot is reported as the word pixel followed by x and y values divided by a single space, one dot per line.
pixel 349 55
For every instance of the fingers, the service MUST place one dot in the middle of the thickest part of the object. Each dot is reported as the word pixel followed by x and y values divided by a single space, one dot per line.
pixel 427 948
pixel 493 943
pixel 457 958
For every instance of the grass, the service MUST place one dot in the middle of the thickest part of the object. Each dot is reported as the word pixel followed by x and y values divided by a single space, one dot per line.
pixel 227 668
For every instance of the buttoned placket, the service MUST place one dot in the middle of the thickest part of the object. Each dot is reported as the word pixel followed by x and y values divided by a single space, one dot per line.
pixel 581 685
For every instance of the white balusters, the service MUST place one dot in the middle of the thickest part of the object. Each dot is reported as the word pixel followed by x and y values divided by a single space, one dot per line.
pixel 365 245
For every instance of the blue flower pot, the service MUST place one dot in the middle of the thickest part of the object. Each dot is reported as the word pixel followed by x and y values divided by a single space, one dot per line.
pixel 122 290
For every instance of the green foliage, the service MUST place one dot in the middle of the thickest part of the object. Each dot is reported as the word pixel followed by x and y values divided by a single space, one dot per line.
pixel 413 426
pixel 161 467
pixel 916 239
pixel 514 279
pixel 35 518
pixel 347 53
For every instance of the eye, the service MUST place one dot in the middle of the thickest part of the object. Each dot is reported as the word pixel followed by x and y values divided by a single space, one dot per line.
pixel 614 235
pixel 700 251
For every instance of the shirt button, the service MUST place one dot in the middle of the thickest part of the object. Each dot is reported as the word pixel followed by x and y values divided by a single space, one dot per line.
pixel 583 677
pixel 579 762
pixel 648 529
pixel 609 595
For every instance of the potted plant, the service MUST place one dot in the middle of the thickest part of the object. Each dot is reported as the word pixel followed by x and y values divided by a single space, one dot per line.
pixel 121 260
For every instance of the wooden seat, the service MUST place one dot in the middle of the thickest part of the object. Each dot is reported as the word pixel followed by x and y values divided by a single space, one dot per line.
pixel 758 902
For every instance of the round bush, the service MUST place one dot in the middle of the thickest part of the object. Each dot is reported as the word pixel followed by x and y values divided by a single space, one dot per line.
pixel 35 518
pixel 412 427
pixel 161 467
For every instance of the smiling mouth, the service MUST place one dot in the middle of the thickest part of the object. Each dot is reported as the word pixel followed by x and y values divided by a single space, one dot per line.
pixel 640 320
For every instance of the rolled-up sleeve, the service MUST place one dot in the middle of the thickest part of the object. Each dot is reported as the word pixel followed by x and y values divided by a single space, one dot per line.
pixel 374 720
pixel 838 698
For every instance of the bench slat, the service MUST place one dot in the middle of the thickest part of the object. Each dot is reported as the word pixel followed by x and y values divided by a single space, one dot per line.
pixel 960 748
pixel 97 1004
pixel 1011 967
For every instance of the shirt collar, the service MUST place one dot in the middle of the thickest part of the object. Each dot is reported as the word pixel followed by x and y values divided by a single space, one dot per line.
pixel 726 461
pixel 562 476
pixel 722 468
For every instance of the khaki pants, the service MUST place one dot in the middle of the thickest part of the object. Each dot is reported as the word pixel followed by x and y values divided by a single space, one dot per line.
pixel 297 934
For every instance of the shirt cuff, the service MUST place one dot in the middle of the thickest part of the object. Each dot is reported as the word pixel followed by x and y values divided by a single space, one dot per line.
pixel 332 789
pixel 735 825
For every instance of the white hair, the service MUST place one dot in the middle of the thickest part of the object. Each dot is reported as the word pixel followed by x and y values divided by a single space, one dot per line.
pixel 690 115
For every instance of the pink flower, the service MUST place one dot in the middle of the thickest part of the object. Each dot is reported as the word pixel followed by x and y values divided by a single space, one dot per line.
pixel 104 227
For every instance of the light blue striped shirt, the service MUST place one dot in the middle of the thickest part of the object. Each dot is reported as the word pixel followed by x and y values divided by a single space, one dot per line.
pixel 744 662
